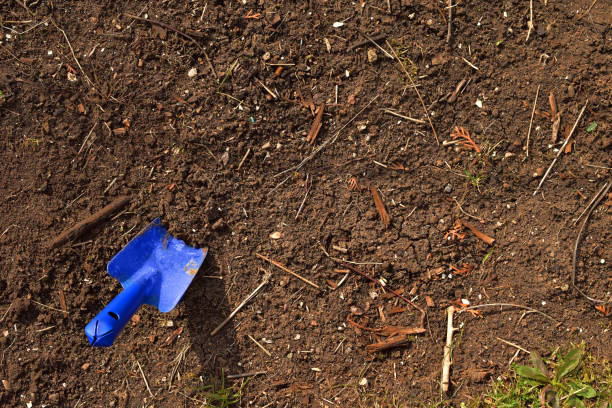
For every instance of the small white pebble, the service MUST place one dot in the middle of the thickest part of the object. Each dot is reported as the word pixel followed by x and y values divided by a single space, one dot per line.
pixel 338 24
pixel 478 103
pixel 465 301
pixel 297 337
pixel 192 72
pixel 318 370
pixel 363 382
pixel 275 235
pixel 505 14
pixel 49 52
pixel 543 303
pixel 347 73
pixel 602 261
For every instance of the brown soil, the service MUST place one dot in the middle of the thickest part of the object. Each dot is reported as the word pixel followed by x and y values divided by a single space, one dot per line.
pixel 204 154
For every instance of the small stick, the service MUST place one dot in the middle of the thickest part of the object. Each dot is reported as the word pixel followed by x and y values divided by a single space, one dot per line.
pixel 370 39
pixel 446 361
pixel 85 140
pixel 364 42
pixel 6 312
pixel 450 22
pixel 590 203
pixel 455 93
pixel 48 307
pixel 602 193
pixel 391 342
pixel 561 149
pixel 470 64
pixel 74 56
pixel 260 346
pixel 267 89
pixel 476 232
pixel 535 101
pixel 513 345
pixel 289 271
pixel 243 375
pixel 83 226
pixel 244 158
pixel 530 24
pixel 588 10
pixel 316 125
pixel 266 278
pixel 144 378
pixel 433 129
pixel 399 115
pixel 509 305
pixel 305 196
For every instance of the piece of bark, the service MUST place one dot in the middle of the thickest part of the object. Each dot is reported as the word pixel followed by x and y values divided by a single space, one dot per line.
pixel 83 226
pixel 380 207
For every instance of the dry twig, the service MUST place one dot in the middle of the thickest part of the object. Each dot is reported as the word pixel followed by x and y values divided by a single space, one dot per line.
pixel 446 361
pixel 601 194
pixel 289 271
pixel 484 237
pixel 531 121
pixel 265 280
pixel 562 148
pixel 316 125
pixel 433 129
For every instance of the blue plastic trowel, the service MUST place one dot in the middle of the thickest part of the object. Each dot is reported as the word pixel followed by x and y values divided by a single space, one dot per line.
pixel 154 268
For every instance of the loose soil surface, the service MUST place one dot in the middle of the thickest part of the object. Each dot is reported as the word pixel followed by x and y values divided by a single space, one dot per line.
pixel 202 122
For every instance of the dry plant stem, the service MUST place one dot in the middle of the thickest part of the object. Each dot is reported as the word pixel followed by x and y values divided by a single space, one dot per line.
pixel 509 305
pixel 513 345
pixel 446 361
pixel 562 149
pixel 588 10
pixel 530 24
pixel 414 305
pixel 266 279
pixel 602 194
pixel 144 379
pixel 251 374
pixel 289 271
pixel 259 345
pixel 595 197
pixel 535 101
pixel 433 129
pixel 370 39
pixel 74 56
pixel 399 115
pixel 323 145
pixel 450 22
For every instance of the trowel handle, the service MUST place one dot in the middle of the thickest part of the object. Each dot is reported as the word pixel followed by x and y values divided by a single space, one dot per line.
pixel 105 327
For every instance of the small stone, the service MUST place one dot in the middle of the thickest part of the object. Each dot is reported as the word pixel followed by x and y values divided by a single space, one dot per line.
pixel 275 235
pixel 448 188
pixel 140 62
pixel 363 382
pixel 564 288
pixel 265 146
pixel 192 72
pixel 539 172
pixel 571 91
pixel 338 24
pixel 266 56
pixel 411 16
pixel 429 22
pixel 478 103
pixel 169 323
pixel 372 57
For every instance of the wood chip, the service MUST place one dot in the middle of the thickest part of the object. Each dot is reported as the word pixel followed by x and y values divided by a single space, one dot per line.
pixel 316 125
pixel 429 301
pixel 395 310
pixel 380 207
pixel 478 234
pixel 62 300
